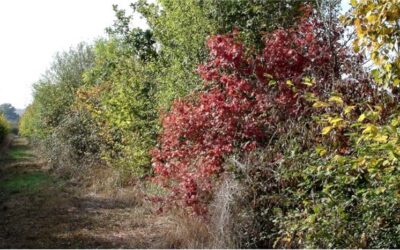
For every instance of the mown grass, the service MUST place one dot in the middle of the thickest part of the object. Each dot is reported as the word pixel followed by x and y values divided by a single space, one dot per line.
pixel 30 182
pixel 18 153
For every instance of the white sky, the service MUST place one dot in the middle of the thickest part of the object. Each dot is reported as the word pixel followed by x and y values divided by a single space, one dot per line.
pixel 32 31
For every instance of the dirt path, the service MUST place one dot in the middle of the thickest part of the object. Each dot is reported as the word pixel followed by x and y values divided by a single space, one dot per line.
pixel 38 210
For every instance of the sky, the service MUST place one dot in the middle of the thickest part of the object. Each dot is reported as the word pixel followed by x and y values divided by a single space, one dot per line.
pixel 32 31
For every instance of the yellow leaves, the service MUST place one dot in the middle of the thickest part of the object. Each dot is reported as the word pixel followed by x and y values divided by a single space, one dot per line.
pixel 348 109
pixel 396 82
pixel 320 150
pixel 335 121
pixel 310 97
pixel 370 129
pixel 336 99
pixel 326 130
pixel 371 17
pixel 308 81
pixel 357 25
pixel 376 25
pixel 320 104
pixel 375 133
pixel 361 118
pixel 395 122
pixel 360 162
pixel 380 190
pixel 339 159
pixel 381 138
pixel 388 67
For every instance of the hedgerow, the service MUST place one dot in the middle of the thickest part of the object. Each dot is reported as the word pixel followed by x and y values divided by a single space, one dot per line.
pixel 4 128
pixel 244 100
pixel 280 132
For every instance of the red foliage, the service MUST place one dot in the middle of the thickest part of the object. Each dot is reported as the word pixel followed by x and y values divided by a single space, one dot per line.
pixel 235 110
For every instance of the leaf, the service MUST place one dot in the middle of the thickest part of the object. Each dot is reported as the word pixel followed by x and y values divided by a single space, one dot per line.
pixel 310 97
pixel 396 82
pixel 380 190
pixel 319 104
pixel 370 129
pixel 371 17
pixel 381 138
pixel 375 73
pixel 348 109
pixel 320 150
pixel 326 130
pixel 268 76
pixel 308 81
pixel 336 99
pixel 361 118
pixel 335 121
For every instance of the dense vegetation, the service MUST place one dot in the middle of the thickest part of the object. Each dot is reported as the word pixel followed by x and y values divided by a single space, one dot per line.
pixel 8 120
pixel 260 117
pixel 4 128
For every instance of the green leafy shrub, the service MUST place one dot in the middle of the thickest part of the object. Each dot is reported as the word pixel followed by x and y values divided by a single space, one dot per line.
pixel 65 136
pixel 119 93
pixel 4 128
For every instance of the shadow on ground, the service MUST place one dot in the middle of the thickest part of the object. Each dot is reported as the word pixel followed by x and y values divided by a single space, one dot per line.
pixel 38 210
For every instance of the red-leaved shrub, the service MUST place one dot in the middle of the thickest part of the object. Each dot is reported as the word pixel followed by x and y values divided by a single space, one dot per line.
pixel 243 100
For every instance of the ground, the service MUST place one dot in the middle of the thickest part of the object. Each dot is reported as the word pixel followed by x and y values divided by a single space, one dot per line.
pixel 40 210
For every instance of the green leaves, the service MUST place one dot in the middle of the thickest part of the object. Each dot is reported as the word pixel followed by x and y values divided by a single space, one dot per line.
pixel 119 94
pixel 4 128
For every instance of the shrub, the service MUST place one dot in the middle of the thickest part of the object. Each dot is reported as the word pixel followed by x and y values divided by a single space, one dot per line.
pixel 73 146
pixel 347 194
pixel 52 122
pixel 244 100
pixel 119 96
pixel 4 128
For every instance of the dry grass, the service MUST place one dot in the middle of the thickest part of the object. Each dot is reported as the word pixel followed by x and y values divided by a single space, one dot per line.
pixel 224 210
pixel 99 207
pixel 180 230
pixel 171 229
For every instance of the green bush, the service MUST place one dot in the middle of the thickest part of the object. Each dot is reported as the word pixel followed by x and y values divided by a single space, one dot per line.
pixel 4 128
pixel 64 135
pixel 119 95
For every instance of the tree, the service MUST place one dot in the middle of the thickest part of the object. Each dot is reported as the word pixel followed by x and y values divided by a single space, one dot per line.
pixel 377 26
pixel 181 28
pixel 119 93
pixel 64 134
pixel 9 112
pixel 4 128
pixel 253 19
